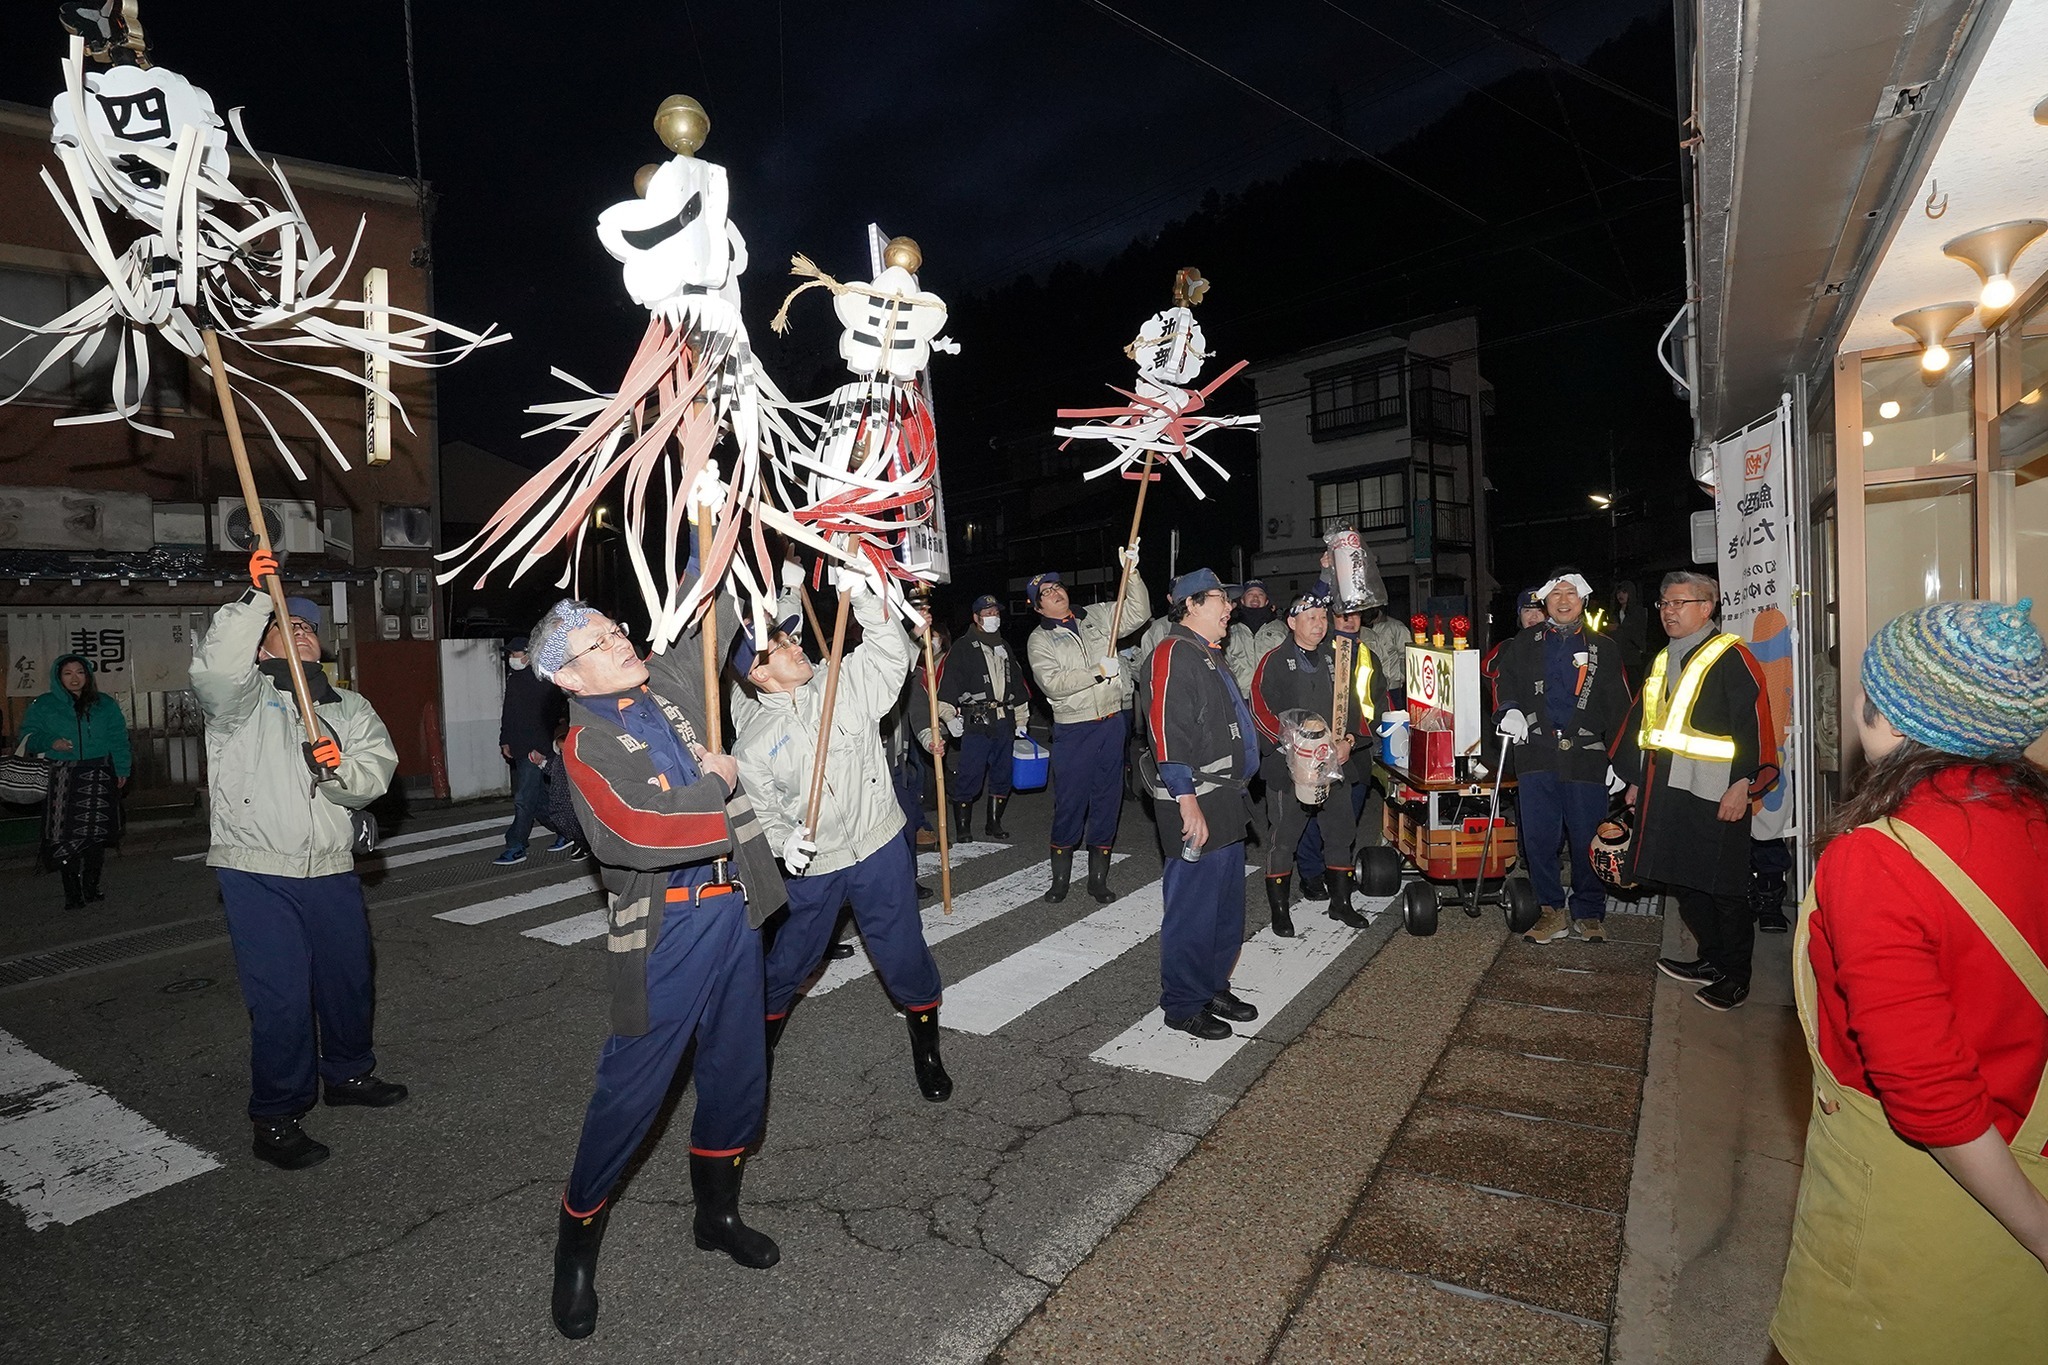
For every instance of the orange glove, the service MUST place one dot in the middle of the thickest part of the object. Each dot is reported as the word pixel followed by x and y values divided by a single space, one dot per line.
pixel 327 754
pixel 262 565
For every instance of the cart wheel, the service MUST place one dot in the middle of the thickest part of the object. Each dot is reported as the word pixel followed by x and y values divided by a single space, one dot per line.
pixel 1519 898
pixel 1379 871
pixel 1418 908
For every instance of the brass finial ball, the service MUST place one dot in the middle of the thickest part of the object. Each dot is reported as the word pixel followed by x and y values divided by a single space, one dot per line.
pixel 682 124
pixel 642 176
pixel 903 252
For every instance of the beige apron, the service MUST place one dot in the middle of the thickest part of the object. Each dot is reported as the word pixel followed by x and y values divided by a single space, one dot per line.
pixel 1892 1262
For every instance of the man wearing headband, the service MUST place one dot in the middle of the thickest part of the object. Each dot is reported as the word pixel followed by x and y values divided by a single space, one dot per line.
pixel 1561 699
pixel 1698 747
pixel 1299 675
pixel 283 849
pixel 857 854
pixel 1202 750
pixel 983 685
pixel 689 878
pixel 1075 662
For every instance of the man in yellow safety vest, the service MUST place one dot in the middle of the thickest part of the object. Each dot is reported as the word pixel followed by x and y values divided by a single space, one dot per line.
pixel 1698 748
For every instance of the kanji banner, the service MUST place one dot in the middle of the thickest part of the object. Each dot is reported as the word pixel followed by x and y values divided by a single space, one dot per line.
pixel 130 651
pixel 1753 521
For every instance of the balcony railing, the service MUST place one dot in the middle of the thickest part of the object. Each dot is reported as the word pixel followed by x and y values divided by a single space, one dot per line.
pixel 1440 413
pixel 1372 521
pixel 1370 414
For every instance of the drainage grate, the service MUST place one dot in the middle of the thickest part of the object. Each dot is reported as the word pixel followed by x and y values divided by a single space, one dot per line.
pixel 102 952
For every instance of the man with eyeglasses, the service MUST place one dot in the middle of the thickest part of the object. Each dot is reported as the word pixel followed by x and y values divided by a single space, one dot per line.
pixel 1202 749
pixel 282 816
pixel 689 877
pixel 1697 749
pixel 1561 699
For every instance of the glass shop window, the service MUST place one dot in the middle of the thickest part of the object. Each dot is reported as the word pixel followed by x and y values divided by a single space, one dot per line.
pixel 1919 545
pixel 1915 417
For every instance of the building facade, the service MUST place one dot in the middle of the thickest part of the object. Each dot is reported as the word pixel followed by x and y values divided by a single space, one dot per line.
pixel 1384 432
pixel 1861 226
pixel 118 544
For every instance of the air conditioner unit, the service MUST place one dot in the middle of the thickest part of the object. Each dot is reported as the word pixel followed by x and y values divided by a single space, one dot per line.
pixel 294 526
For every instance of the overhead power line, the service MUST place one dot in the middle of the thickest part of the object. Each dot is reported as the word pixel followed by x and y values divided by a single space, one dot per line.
pixel 1540 50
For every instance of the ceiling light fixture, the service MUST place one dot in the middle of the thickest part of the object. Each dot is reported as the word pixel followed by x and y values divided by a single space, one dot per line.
pixel 1930 327
pixel 1868 438
pixel 1888 409
pixel 1991 252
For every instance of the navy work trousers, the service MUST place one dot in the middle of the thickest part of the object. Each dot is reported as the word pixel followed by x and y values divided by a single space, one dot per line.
pixel 1554 810
pixel 985 761
pixel 1203 928
pixel 302 951
pixel 882 888
pixel 1087 781
pixel 703 981
pixel 529 802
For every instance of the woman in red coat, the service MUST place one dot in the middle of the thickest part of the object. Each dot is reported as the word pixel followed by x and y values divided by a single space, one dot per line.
pixel 1922 1227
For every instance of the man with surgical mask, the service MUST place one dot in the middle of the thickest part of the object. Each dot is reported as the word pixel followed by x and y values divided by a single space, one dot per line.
pixel 1562 700
pixel 526 737
pixel 984 685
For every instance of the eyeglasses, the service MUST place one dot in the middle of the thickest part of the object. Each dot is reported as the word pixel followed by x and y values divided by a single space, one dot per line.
pixel 1673 603
pixel 304 627
pixel 604 641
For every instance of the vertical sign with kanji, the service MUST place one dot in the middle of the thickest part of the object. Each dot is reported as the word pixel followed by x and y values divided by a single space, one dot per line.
pixel 1757 572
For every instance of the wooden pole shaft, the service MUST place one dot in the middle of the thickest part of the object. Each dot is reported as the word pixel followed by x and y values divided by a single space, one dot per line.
pixel 803 594
pixel 931 696
pixel 1123 582
pixel 301 694
pixel 824 744
pixel 707 632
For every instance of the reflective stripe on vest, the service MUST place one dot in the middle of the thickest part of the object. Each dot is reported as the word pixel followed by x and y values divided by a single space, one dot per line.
pixel 1362 685
pixel 1677 734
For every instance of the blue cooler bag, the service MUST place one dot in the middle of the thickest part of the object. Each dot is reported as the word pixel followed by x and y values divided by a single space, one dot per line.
pixel 1030 764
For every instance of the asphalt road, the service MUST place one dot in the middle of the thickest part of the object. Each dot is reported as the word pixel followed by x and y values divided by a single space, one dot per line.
pixel 136 1225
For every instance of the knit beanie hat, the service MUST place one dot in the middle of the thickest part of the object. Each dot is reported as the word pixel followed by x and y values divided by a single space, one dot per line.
pixel 1967 678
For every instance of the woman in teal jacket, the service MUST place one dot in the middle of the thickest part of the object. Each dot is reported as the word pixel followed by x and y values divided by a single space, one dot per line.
pixel 85 737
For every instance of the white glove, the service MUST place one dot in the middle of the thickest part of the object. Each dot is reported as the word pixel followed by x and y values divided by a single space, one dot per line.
pixel 1109 667
pixel 956 727
pixel 792 574
pixel 708 492
pixel 1514 726
pixel 1128 556
pixel 1615 786
pixel 858 578
pixel 798 850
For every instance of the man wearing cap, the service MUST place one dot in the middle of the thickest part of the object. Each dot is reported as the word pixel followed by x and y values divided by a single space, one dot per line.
pixel 982 683
pixel 1698 746
pixel 1561 700
pixel 689 878
pixel 857 854
pixel 1300 675
pixel 1075 662
pixel 1253 614
pixel 281 815
pixel 526 737
pixel 1203 749
pixel 1529 612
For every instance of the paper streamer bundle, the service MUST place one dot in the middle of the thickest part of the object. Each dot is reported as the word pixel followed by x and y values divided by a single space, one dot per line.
pixel 145 144
pixel 868 479
pixel 694 379
pixel 1163 419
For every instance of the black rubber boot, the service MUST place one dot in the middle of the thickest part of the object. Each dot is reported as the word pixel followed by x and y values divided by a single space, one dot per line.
pixel 281 1142
pixel 74 885
pixel 576 1244
pixel 994 827
pixel 716 1182
pixel 932 1081
pixel 1315 888
pixel 95 859
pixel 1098 875
pixel 1062 874
pixel 1277 889
pixel 963 822
pixel 1340 899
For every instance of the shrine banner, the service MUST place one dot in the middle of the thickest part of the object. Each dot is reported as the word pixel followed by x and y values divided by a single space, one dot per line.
pixel 1753 521
pixel 130 651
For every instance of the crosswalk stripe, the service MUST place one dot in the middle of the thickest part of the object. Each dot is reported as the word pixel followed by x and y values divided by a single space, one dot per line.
pixel 575 929
pixel 928 863
pixel 71 1150
pixel 1270 973
pixel 521 901
pixel 378 862
pixel 970 909
pixel 418 836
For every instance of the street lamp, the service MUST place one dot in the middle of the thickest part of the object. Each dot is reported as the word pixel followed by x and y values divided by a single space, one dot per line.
pixel 1600 500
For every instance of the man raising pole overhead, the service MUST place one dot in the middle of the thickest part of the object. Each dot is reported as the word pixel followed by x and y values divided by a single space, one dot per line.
pixel 1074 660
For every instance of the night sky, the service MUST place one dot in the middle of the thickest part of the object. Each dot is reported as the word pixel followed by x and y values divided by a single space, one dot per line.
pixel 1008 138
